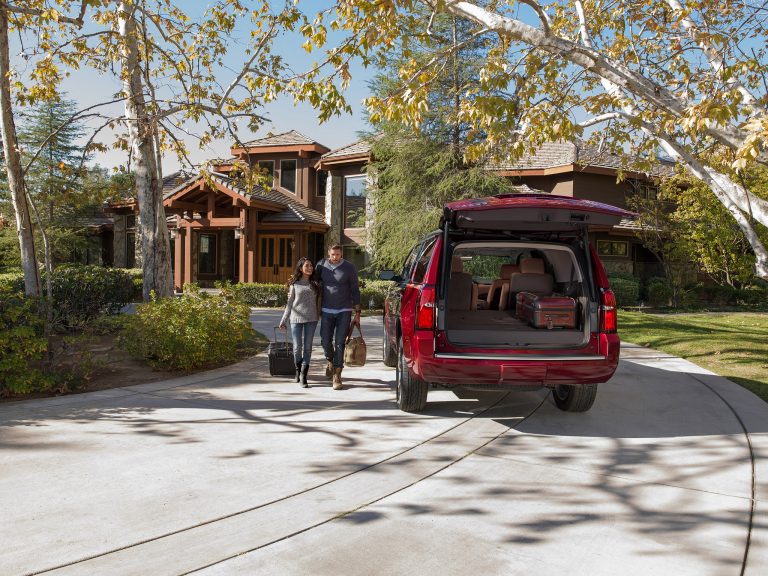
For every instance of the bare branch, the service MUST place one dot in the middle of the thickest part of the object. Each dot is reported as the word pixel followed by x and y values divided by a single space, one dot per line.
pixel 77 21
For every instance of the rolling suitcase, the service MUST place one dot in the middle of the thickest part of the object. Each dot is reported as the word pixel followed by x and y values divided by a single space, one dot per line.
pixel 280 354
pixel 546 311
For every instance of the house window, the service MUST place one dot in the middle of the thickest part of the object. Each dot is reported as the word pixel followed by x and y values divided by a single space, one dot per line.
pixel 267 169
pixel 322 181
pixel 354 201
pixel 645 189
pixel 288 175
pixel 612 248
pixel 206 262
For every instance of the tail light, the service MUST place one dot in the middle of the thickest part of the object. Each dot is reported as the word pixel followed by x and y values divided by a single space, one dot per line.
pixel 425 310
pixel 608 322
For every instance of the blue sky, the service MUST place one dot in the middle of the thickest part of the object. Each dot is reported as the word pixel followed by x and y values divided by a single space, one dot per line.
pixel 87 88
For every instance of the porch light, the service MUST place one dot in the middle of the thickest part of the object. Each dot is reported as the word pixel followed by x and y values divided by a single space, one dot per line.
pixel 173 232
pixel 239 233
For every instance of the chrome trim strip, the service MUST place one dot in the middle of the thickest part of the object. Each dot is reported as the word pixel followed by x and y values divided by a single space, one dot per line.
pixel 516 357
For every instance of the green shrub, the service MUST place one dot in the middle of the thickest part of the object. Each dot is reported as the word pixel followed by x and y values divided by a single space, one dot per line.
pixel 659 291
pixel 752 296
pixel 12 281
pixel 626 288
pixel 191 331
pixel 373 293
pixel 137 277
pixel 22 344
pixel 716 295
pixel 261 295
pixel 83 292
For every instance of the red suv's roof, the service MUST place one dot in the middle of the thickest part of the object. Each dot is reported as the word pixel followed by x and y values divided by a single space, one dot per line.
pixel 508 209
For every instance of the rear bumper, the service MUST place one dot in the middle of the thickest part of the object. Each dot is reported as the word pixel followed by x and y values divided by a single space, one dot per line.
pixel 592 365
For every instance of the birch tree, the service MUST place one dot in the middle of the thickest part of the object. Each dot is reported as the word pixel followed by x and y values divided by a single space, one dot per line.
pixel 14 18
pixel 175 82
pixel 684 76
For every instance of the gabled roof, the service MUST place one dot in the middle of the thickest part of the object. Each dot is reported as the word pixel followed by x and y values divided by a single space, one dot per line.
pixel 291 141
pixel 174 181
pixel 361 147
pixel 551 155
pixel 290 138
pixel 359 151
pixel 286 210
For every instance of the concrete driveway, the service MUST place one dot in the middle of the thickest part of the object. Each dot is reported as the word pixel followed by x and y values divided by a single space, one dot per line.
pixel 236 472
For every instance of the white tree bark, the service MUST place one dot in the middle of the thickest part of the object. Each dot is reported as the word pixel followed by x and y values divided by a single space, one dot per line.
pixel 618 80
pixel 595 62
pixel 730 194
pixel 14 169
pixel 156 250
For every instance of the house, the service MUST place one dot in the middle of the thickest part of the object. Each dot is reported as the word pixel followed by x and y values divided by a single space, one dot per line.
pixel 223 228
pixel 582 170
pixel 575 169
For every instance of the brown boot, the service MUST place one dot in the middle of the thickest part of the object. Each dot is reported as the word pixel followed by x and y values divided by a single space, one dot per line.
pixel 337 379
pixel 328 369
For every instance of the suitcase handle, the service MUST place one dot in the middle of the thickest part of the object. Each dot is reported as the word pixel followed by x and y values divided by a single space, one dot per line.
pixel 284 341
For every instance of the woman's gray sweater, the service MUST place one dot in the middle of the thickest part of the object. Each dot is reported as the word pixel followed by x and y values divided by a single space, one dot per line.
pixel 302 304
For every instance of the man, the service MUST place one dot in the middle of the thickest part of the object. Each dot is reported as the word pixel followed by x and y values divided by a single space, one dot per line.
pixel 341 296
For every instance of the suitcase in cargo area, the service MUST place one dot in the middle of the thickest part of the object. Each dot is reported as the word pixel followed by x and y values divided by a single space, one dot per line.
pixel 280 354
pixel 546 311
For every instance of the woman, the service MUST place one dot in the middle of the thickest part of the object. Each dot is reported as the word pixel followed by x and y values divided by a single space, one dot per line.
pixel 303 312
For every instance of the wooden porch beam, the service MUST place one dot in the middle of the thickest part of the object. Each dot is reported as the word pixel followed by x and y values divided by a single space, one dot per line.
pixel 190 206
pixel 211 223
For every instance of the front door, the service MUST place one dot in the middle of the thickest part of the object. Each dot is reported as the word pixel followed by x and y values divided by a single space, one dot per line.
pixel 275 258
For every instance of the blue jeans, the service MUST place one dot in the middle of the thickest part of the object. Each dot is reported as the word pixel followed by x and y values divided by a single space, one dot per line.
pixel 302 334
pixel 333 344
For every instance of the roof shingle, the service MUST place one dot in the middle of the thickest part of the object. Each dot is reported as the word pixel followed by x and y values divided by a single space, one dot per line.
pixel 290 138
pixel 355 149
pixel 554 154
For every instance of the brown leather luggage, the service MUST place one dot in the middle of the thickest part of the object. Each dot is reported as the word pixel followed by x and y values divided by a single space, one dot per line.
pixel 546 311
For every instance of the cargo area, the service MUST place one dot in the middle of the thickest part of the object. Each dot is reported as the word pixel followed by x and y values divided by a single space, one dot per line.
pixel 516 294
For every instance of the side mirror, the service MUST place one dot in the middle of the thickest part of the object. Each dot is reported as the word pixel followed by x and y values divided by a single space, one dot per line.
pixel 389 275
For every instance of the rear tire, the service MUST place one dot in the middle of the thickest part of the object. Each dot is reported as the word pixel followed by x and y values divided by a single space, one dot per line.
pixel 411 392
pixel 575 398
pixel 388 354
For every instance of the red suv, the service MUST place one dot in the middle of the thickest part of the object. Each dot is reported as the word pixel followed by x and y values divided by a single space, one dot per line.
pixel 508 293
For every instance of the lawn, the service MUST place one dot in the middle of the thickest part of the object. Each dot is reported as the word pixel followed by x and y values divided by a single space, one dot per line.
pixel 732 344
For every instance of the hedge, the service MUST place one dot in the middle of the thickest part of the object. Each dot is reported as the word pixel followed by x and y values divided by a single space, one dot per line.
pixel 22 344
pixel 190 331
pixel 81 293
pixel 626 288
pixel 372 294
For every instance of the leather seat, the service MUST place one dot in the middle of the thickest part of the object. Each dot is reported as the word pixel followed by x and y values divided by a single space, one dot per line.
pixel 531 278
pixel 462 290
pixel 494 300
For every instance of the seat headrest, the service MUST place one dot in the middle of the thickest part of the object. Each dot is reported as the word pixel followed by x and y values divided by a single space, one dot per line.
pixel 456 264
pixel 508 269
pixel 532 266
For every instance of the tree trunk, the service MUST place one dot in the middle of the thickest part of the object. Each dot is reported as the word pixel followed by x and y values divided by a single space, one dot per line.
pixel 13 167
pixel 155 243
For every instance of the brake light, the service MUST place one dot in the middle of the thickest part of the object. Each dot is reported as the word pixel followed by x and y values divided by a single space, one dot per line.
pixel 608 320
pixel 425 310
